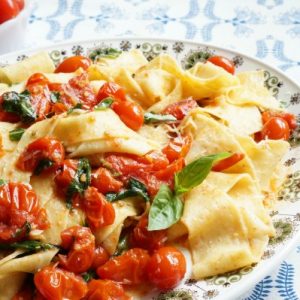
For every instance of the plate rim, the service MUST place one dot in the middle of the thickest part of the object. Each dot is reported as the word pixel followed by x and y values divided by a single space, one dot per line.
pixel 235 291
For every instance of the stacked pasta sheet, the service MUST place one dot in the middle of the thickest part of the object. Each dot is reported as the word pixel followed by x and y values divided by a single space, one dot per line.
pixel 224 221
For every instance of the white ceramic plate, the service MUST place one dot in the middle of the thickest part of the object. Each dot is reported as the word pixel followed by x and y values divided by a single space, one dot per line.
pixel 286 217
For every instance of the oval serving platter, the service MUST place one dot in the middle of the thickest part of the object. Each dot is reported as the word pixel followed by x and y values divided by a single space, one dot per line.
pixel 286 216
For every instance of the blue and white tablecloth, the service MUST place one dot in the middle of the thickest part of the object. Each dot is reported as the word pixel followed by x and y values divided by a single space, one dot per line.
pixel 267 29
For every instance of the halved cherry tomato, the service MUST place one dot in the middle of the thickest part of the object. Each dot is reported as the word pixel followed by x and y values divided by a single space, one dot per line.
pixel 276 129
pixel 150 240
pixel 9 9
pixel 71 64
pixel 81 245
pixel 228 162
pixel 223 62
pixel 104 182
pixel 101 256
pixel 99 212
pixel 37 85
pixel 166 268
pixel 55 283
pixel 178 147
pixel 111 89
pixel 128 268
pixel 65 174
pixel 130 113
pixel 40 150
pixel 105 290
pixel 288 117
pixel 19 204
pixel 180 109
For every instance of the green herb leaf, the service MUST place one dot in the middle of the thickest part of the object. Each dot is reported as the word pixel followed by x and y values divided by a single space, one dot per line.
pixel 135 188
pixel 81 181
pixel 26 228
pixel 150 117
pixel 123 245
pixel 19 104
pixel 77 106
pixel 89 275
pixel 195 172
pixel 16 134
pixel 27 245
pixel 43 164
pixel 54 97
pixel 104 104
pixel 104 52
pixel 2 182
pixel 165 210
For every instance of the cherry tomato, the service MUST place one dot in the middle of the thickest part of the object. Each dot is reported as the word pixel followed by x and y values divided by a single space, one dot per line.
pixel 150 240
pixel 180 109
pixel 19 204
pixel 130 113
pixel 128 268
pixel 223 62
pixel 20 4
pixel 40 98
pixel 166 268
pixel 40 150
pixel 100 257
pixel 276 129
pixel 81 245
pixel 228 162
pixel 55 283
pixel 104 182
pixel 73 63
pixel 288 117
pixel 65 174
pixel 9 9
pixel 99 212
pixel 177 147
pixel 105 290
pixel 111 89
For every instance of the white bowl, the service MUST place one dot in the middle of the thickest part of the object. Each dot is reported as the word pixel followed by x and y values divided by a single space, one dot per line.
pixel 13 32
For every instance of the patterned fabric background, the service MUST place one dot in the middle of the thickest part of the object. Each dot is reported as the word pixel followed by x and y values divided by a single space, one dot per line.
pixel 267 29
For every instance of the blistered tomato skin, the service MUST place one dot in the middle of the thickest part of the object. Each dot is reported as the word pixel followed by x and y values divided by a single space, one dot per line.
pixel 41 149
pixel 111 89
pixel 128 268
pixel 55 283
pixel 81 245
pixel 71 64
pixel 101 256
pixel 166 268
pixel 223 62
pixel 180 109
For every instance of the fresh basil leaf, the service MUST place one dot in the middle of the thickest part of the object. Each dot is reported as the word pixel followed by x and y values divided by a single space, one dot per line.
pixel 123 245
pixel 54 97
pixel 165 210
pixel 26 228
pixel 150 117
pixel 135 188
pixel 2 182
pixel 43 164
pixel 195 172
pixel 27 245
pixel 104 104
pixel 20 105
pixel 81 181
pixel 77 106
pixel 89 275
pixel 16 134
pixel 104 52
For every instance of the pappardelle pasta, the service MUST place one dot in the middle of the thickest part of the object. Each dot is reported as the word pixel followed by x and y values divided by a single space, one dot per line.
pixel 109 167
